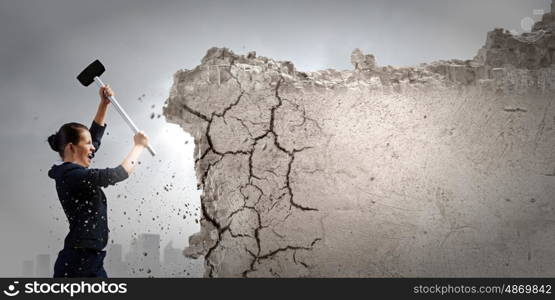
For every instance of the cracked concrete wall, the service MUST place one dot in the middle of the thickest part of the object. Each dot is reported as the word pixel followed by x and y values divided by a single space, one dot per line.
pixel 441 169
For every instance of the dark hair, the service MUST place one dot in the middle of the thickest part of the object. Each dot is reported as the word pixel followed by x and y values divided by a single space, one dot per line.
pixel 68 133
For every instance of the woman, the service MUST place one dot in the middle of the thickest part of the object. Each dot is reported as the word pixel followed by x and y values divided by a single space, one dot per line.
pixel 80 193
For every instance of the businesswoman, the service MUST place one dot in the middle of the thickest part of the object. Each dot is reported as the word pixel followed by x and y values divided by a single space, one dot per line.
pixel 80 192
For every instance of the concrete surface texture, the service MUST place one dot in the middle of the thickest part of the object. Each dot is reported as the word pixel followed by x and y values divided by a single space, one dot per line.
pixel 442 169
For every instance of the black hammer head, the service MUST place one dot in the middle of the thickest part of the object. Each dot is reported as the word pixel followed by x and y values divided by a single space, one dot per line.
pixel 86 77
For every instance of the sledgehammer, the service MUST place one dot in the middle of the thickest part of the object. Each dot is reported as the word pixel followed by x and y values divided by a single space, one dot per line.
pixel 92 73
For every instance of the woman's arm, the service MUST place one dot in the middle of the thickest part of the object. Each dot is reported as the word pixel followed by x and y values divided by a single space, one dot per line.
pixel 109 176
pixel 129 163
pixel 95 177
pixel 104 93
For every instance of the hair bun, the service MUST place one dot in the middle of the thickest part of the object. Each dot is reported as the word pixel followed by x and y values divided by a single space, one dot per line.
pixel 53 141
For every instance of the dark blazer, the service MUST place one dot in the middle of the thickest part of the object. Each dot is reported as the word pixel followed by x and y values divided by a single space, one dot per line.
pixel 83 201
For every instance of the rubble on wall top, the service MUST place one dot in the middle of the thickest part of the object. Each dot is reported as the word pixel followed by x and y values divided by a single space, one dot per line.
pixel 528 51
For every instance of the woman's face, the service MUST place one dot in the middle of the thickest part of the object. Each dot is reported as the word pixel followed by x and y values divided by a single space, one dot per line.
pixel 83 151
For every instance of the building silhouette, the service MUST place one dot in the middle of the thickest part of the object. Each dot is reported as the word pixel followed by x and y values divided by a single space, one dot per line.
pixel 175 263
pixel 150 247
pixel 28 268
pixel 44 268
pixel 143 258
pixel 113 263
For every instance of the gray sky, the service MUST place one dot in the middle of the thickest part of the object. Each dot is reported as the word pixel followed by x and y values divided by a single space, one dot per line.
pixel 46 43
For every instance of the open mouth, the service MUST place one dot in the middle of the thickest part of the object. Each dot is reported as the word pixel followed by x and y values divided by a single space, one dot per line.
pixel 90 156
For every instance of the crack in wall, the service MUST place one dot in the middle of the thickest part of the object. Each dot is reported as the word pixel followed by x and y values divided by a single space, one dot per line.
pixel 330 172
pixel 221 153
